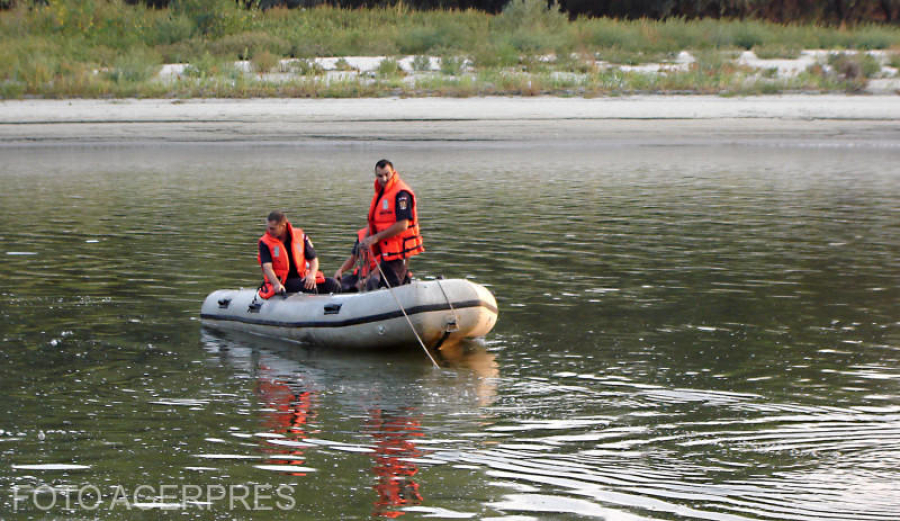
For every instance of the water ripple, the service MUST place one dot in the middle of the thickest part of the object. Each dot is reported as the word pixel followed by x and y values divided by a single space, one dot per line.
pixel 702 333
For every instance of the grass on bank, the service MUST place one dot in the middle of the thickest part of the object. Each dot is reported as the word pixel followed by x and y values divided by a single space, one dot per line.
pixel 105 48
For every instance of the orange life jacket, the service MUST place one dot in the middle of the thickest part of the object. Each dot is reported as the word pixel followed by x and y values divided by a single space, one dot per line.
pixel 383 215
pixel 281 261
pixel 372 265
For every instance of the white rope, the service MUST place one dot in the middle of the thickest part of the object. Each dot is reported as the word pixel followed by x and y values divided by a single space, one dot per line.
pixel 408 321
pixel 455 316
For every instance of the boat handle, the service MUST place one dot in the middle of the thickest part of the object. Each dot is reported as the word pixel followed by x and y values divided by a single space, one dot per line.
pixel 254 307
pixel 224 302
pixel 332 309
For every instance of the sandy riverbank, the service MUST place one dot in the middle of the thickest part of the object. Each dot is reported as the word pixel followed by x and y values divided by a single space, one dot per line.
pixel 801 119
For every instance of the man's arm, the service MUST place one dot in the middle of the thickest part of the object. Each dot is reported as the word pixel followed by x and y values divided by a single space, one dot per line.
pixel 403 211
pixel 396 229
pixel 270 275
pixel 310 281
pixel 346 266
pixel 350 262
pixel 312 262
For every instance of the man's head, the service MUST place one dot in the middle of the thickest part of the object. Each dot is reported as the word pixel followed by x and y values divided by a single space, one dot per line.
pixel 384 171
pixel 276 225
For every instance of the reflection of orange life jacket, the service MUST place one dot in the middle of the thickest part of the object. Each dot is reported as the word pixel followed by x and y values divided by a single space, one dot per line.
pixel 383 215
pixel 291 412
pixel 372 265
pixel 395 454
pixel 281 261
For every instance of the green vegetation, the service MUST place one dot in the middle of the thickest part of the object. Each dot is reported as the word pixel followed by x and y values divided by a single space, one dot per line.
pixel 105 48
pixel 421 63
pixel 389 68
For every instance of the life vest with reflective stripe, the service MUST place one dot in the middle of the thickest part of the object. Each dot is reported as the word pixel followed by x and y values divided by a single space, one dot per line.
pixel 372 265
pixel 383 215
pixel 281 260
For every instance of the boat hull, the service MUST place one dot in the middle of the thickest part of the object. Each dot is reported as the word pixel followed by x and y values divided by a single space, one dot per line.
pixel 440 311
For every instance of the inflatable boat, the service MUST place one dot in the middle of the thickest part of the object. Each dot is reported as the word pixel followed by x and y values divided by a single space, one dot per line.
pixel 440 311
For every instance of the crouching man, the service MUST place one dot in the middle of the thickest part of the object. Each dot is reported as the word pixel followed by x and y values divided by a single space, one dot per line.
pixel 289 262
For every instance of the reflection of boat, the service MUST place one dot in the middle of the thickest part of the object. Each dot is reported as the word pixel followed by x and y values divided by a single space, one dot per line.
pixel 386 380
pixel 316 400
pixel 440 310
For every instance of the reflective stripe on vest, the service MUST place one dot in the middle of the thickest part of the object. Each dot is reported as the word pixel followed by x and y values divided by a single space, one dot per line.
pixel 281 263
pixel 383 215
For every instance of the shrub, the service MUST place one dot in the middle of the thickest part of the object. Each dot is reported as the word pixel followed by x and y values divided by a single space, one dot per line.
pixel 420 40
pixel 627 57
pixel 307 67
pixel 443 32
pixel 32 62
pixel 531 27
pixel 854 66
pixel 605 33
pixel 377 46
pixel 388 67
pixel 264 62
pixel 174 28
pixel 104 56
pixel 894 60
pixel 75 79
pixel 580 63
pixel 303 47
pixel 772 51
pixel 136 66
pixel 211 17
pixel 208 66
pixel 678 33
pixel 833 40
pixel 748 35
pixel 11 89
pixel 245 46
pixel 421 63
pixel 498 54
pixel 184 51
pixel 452 65
pixel 875 37
pixel 531 15
pixel 871 67
pixel 343 65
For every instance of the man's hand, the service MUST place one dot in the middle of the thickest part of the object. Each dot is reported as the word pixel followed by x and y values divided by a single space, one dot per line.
pixel 269 273
pixel 309 282
pixel 367 242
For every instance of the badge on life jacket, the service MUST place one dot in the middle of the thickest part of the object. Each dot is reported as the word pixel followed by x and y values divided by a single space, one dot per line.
pixel 384 204
pixel 275 253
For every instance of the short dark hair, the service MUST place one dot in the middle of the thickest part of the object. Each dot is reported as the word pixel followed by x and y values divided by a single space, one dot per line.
pixel 383 163
pixel 277 216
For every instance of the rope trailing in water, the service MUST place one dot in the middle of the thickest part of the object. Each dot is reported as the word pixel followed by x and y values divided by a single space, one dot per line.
pixel 408 321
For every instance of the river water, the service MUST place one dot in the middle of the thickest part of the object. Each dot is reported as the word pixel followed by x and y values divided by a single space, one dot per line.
pixel 684 333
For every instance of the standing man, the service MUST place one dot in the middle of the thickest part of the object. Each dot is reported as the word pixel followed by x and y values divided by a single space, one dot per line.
pixel 393 225
pixel 289 262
